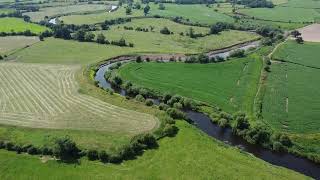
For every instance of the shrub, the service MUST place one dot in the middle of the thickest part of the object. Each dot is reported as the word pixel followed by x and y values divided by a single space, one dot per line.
pixel 2 145
pixel 165 30
pixel 177 105
pixel 115 158
pixel 103 156
pixel 223 122
pixel 92 155
pixel 285 140
pixel 9 146
pixel 237 53
pixel 163 106
pixel 65 149
pixel 32 150
pixel 260 134
pixel 170 130
pixel 242 122
pixel 277 146
pixel 139 59
pixel 46 151
pixel 175 113
pixel 146 139
pixel 140 98
pixel 1 57
pixel 149 102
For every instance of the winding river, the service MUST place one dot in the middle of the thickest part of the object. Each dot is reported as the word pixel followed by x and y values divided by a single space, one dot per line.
pixel 204 123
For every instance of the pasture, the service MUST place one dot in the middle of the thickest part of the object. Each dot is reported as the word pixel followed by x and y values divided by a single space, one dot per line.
pixel 99 17
pixel 46 96
pixel 307 4
pixel 61 10
pixel 283 14
pixel 6 11
pixel 59 51
pixel 9 44
pixel 18 25
pixel 189 155
pixel 230 85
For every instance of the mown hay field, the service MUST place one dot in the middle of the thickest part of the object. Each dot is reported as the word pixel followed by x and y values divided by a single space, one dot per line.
pixel 18 25
pixel 10 43
pixel 230 85
pixel 60 10
pixel 46 96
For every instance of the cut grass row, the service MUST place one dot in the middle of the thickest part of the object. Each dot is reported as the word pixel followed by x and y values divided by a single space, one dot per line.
pixel 46 96
pixel 9 44
pixel 9 25
pixel 224 84
pixel 189 155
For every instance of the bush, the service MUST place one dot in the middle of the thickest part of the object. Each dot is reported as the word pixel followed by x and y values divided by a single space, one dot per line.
pixel 237 53
pixel 277 146
pixel 165 30
pixel 175 113
pixel 177 105
pixel 139 59
pixel 260 134
pixel 223 122
pixel 242 122
pixel 92 155
pixel 103 156
pixel 65 149
pixel 149 102
pixel 9 146
pixel 1 57
pixel 170 130
pixel 140 98
pixel 32 150
pixel 163 106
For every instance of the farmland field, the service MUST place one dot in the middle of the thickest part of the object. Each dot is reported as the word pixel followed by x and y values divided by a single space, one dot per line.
pixel 70 52
pixel 6 11
pixel 56 103
pixel 189 155
pixel 11 43
pixel 220 84
pixel 284 14
pixel 18 25
pixel 309 4
pixel 54 11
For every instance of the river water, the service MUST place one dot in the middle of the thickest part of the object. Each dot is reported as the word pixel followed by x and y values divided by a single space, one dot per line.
pixel 225 135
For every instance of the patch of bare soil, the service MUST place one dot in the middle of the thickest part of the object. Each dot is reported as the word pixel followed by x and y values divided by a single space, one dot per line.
pixel 310 33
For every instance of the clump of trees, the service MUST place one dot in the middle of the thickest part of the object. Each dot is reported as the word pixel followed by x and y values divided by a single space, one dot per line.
pixel 297 35
pixel 13 33
pixel 237 53
pixel 256 3
pixel 204 59
pixel 220 26
pixel 165 30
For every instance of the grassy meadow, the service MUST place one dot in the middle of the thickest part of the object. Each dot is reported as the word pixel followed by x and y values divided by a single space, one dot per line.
pixel 18 25
pixel 189 155
pixel 284 14
pixel 9 44
pixel 191 13
pixel 223 84
pixel 60 10
pixel 59 51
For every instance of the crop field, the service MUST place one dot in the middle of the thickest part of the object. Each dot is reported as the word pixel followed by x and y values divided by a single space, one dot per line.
pixel 189 155
pixel 99 17
pixel 46 97
pixel 69 52
pixel 310 33
pixel 18 25
pixel 284 14
pixel 10 43
pixel 223 84
pixel 60 10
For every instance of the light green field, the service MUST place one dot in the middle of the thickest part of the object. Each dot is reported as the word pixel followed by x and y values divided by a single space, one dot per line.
pixel 60 10
pixel 69 52
pixel 195 13
pixel 18 25
pixel 306 54
pixel 10 43
pixel 46 96
pixel 284 14
pixel 6 11
pixel 309 4
pixel 189 155
pixel 224 84
pixel 281 25
pixel 278 2
pixel 99 17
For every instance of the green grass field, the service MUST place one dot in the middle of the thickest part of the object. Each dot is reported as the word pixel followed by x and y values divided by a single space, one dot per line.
pixel 60 10
pixel 59 51
pixel 284 14
pixel 6 11
pixel 189 155
pixel 18 25
pixel 309 4
pixel 223 84
pixel 195 13
pixel 99 17
pixel 305 54
pixel 292 100
pixel 9 44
